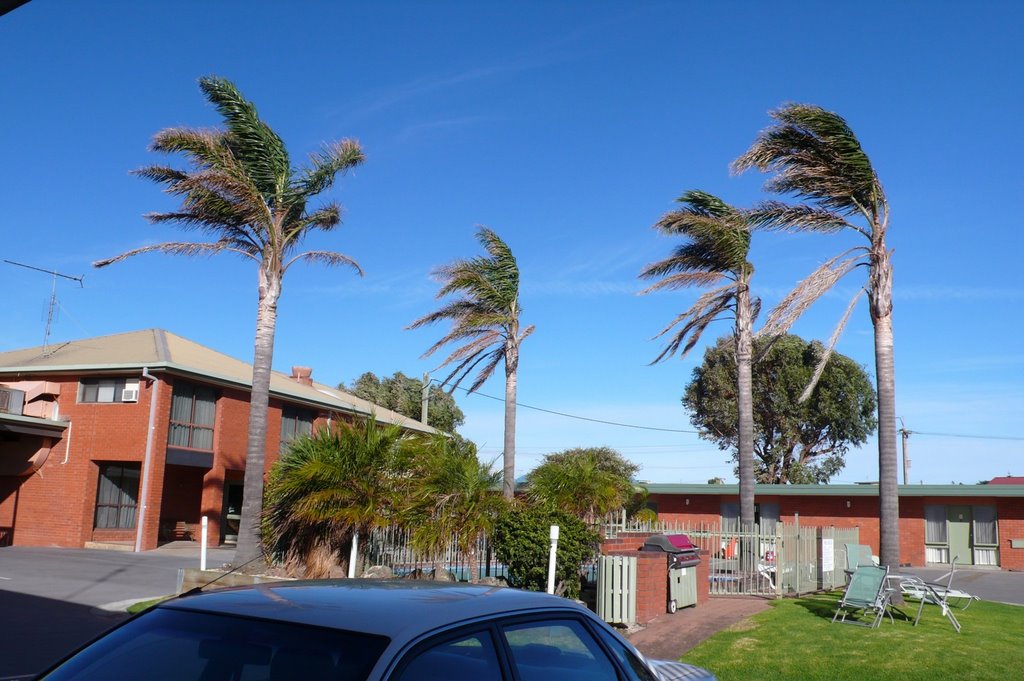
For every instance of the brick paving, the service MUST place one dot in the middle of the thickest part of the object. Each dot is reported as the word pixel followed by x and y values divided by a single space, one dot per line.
pixel 668 637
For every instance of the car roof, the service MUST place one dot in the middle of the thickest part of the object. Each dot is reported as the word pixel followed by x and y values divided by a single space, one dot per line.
pixel 398 609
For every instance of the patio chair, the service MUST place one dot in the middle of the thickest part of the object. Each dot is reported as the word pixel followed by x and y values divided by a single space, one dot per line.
pixel 867 593
pixel 937 594
pixel 856 556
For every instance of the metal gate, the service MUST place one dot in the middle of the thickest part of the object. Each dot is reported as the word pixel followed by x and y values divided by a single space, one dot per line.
pixel 775 559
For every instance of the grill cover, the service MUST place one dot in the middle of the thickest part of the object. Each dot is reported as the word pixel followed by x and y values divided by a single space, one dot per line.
pixel 682 550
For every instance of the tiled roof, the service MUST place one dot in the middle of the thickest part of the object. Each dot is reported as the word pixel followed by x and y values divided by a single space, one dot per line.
pixel 157 349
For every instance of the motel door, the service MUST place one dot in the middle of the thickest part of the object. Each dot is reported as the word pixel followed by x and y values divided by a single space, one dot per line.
pixel 232 515
pixel 959 518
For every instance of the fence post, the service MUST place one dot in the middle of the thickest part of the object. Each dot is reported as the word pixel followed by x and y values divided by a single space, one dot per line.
pixel 796 522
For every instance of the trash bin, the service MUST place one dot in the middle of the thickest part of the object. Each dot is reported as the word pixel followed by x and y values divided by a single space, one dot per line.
pixel 682 572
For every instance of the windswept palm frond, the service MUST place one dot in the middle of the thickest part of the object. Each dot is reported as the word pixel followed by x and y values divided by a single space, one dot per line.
pixel 718 242
pixel 836 333
pixel 485 319
pixel 813 154
pixel 329 258
pixel 818 283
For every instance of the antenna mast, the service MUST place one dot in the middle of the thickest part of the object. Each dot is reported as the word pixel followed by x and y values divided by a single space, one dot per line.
pixel 906 436
pixel 53 293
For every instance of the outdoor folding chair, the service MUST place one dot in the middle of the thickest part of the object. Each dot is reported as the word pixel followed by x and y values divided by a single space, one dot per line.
pixel 866 593
pixel 856 556
pixel 937 594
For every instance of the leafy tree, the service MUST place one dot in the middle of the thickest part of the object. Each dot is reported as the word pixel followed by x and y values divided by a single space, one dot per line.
pixel 795 441
pixel 815 156
pixel 522 542
pixel 243 192
pixel 456 498
pixel 485 320
pixel 346 479
pixel 587 482
pixel 714 255
pixel 404 394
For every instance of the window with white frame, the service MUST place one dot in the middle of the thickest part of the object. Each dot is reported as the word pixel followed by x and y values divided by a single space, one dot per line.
pixel 108 390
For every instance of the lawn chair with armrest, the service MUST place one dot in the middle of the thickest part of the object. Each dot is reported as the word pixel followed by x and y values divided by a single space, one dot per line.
pixel 867 593
pixel 936 593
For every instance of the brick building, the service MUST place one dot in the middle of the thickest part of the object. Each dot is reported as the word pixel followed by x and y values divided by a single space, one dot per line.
pixel 132 438
pixel 979 524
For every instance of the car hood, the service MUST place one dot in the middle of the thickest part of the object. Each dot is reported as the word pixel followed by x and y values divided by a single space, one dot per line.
pixel 668 670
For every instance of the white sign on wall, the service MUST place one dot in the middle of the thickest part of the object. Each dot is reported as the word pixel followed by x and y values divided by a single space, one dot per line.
pixel 828 556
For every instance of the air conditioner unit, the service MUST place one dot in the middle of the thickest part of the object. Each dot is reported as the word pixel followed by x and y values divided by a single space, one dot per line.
pixel 130 395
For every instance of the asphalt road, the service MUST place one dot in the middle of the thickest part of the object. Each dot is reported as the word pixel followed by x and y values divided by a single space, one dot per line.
pixel 51 599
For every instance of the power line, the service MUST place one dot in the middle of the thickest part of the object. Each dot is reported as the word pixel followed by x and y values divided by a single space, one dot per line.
pixel 972 437
pixel 694 432
pixel 573 416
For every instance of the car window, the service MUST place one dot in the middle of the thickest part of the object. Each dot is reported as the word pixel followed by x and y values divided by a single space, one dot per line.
pixel 557 649
pixel 470 658
pixel 174 645
pixel 636 670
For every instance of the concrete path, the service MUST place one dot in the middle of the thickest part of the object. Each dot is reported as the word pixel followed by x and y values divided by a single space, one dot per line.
pixel 985 583
pixel 51 599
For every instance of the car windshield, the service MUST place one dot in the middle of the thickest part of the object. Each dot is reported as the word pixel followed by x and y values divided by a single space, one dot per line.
pixel 176 645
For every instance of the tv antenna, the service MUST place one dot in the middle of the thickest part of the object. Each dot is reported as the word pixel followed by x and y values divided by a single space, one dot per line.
pixel 906 436
pixel 53 293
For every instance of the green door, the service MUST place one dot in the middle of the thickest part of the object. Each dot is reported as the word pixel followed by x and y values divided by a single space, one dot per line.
pixel 959 518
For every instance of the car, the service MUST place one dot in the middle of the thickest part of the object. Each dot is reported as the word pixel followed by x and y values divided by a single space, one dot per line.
pixel 366 630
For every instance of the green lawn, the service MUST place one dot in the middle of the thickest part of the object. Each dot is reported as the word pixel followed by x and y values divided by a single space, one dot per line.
pixel 143 605
pixel 795 639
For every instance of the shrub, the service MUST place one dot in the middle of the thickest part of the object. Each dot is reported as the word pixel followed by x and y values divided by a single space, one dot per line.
pixel 522 542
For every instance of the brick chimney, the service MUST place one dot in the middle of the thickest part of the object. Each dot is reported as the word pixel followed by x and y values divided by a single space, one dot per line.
pixel 303 375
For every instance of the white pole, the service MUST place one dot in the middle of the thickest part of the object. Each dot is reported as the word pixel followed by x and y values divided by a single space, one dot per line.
pixel 353 556
pixel 202 543
pixel 551 559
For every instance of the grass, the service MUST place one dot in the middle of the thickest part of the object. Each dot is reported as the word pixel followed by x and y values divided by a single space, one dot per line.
pixel 145 605
pixel 795 639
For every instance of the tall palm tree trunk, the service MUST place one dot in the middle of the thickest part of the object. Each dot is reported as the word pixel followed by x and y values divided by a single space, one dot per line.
pixel 745 403
pixel 509 452
pixel 885 373
pixel 249 545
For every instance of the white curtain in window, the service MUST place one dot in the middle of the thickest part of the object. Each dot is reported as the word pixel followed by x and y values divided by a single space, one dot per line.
pixel 935 524
pixel 985 526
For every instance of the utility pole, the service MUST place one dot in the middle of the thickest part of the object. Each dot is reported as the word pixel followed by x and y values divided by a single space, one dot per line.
pixel 906 462
pixel 425 400
pixel 53 294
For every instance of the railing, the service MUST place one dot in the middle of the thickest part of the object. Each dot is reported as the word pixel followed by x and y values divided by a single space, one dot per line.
pixel 773 559
pixel 392 547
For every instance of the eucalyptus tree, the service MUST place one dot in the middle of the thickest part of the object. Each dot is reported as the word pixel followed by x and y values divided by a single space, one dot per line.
pixel 486 328
pixel 814 155
pixel 241 191
pixel 714 255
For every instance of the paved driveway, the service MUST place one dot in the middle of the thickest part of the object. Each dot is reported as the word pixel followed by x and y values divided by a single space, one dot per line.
pixel 986 584
pixel 51 598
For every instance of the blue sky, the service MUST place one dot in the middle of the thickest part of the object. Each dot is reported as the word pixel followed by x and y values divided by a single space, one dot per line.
pixel 568 128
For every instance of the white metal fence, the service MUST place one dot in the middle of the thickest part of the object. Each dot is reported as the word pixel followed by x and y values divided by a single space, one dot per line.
pixel 774 559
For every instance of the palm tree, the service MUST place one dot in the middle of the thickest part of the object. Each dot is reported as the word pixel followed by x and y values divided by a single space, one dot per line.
pixel 588 482
pixel 343 480
pixel 456 498
pixel 815 156
pixel 242 191
pixel 485 319
pixel 715 255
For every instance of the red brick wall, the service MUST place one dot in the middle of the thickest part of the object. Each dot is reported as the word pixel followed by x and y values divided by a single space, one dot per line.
pixel 652 574
pixel 56 507
pixel 1011 526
